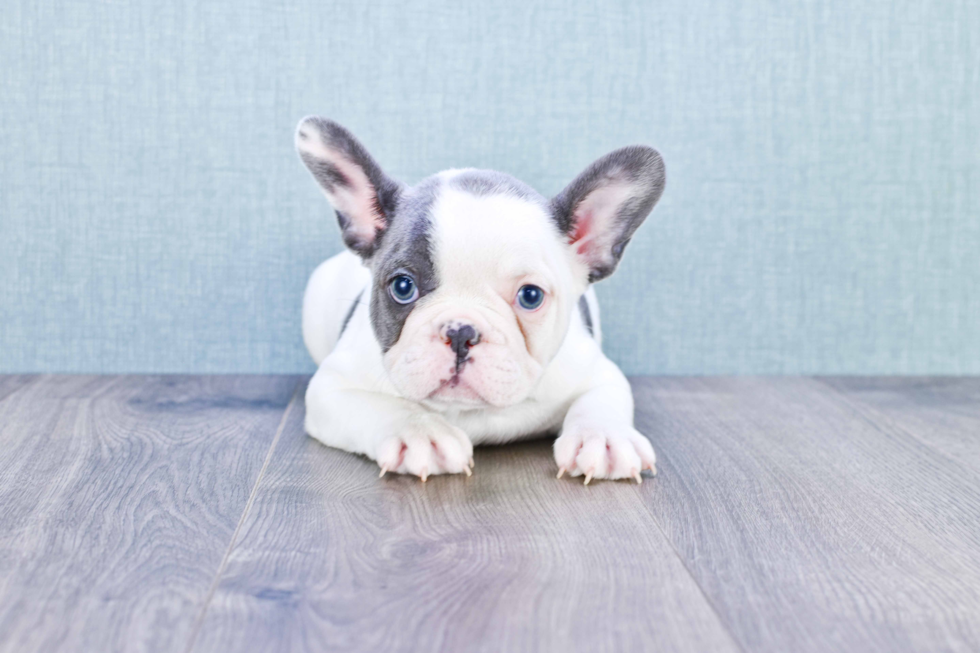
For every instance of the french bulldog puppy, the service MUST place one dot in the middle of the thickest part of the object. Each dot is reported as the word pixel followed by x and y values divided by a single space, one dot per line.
pixel 464 314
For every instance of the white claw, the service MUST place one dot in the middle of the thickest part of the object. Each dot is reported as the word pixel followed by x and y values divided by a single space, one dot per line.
pixel 588 477
pixel 653 469
pixel 384 470
pixel 561 472
pixel 425 474
pixel 468 471
pixel 636 475
pixel 471 463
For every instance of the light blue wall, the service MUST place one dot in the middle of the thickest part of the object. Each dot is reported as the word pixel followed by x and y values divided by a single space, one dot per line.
pixel 822 211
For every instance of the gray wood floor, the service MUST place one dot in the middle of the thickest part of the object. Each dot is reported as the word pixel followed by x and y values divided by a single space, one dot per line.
pixel 192 514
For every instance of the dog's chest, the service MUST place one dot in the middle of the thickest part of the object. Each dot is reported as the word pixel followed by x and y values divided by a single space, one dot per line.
pixel 526 420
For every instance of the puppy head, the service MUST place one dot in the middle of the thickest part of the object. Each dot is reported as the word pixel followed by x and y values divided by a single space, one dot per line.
pixel 475 274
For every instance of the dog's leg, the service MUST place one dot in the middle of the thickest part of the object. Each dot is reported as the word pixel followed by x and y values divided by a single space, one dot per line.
pixel 400 435
pixel 597 438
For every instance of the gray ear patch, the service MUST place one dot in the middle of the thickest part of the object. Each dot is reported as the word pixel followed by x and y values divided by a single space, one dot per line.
pixel 325 173
pixel 607 202
pixel 361 194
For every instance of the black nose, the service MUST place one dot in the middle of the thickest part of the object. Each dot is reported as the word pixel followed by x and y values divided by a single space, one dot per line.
pixel 461 338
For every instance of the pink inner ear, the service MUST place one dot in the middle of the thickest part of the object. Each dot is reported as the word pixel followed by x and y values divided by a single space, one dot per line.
pixel 594 229
pixel 581 233
pixel 358 201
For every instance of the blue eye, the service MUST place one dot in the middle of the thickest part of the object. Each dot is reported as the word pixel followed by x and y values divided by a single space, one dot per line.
pixel 530 297
pixel 403 289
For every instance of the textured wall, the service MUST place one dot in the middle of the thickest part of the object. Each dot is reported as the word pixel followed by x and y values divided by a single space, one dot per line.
pixel 822 211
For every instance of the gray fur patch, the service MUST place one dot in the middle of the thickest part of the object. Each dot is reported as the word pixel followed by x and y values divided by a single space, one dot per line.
pixel 350 313
pixel 325 173
pixel 638 165
pixel 482 183
pixel 583 308
pixel 405 248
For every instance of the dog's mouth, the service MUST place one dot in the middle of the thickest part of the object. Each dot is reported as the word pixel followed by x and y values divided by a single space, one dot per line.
pixel 456 390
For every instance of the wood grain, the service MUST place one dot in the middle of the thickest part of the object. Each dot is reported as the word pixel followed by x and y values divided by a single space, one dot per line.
pixel 332 558
pixel 813 526
pixel 11 383
pixel 789 515
pixel 118 499
pixel 941 412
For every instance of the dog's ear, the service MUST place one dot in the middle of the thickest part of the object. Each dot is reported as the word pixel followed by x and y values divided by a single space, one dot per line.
pixel 363 196
pixel 600 210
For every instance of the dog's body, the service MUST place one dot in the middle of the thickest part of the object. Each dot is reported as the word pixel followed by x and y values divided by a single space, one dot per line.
pixel 464 313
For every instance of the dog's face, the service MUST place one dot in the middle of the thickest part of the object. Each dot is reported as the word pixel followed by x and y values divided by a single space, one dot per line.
pixel 476 276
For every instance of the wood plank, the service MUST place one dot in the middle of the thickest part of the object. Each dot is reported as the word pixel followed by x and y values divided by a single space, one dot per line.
pixel 943 412
pixel 118 500
pixel 11 383
pixel 332 558
pixel 809 526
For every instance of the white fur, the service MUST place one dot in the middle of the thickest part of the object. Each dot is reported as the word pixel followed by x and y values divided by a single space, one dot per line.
pixel 322 307
pixel 531 372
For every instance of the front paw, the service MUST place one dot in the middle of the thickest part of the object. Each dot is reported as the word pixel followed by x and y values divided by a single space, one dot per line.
pixel 608 451
pixel 426 444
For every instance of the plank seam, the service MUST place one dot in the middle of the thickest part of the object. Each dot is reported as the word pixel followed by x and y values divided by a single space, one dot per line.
pixel 694 580
pixel 680 558
pixel 199 622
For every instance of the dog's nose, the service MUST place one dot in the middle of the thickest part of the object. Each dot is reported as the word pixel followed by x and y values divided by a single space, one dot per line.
pixel 461 338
